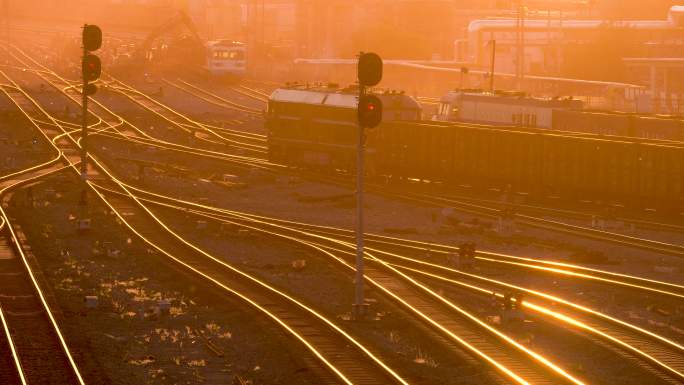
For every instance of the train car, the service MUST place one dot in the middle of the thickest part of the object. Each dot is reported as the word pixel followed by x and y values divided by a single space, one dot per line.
pixel 226 58
pixel 316 126
pixel 621 124
pixel 658 127
pixel 502 108
pixel 515 109
pixel 539 164
pixel 594 122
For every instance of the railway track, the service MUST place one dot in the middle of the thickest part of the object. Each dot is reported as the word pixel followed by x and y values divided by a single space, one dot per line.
pixel 659 355
pixel 213 98
pixel 115 126
pixel 531 216
pixel 379 244
pixel 38 346
pixel 10 368
pixel 335 355
pixel 462 330
pixel 530 220
pixel 253 93
pixel 347 362
pixel 531 212
pixel 245 141
pixel 552 224
pixel 578 215
pixel 33 348
pixel 528 215
pixel 516 358
pixel 380 277
pixel 657 287
pixel 486 209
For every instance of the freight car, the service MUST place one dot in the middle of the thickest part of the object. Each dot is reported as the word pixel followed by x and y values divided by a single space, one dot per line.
pixel 541 164
pixel 620 124
pixel 317 129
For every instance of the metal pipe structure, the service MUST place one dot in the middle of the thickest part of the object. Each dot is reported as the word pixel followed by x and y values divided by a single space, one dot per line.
pixel 359 309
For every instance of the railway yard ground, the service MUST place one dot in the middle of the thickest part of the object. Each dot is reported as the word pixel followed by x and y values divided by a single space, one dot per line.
pixel 201 262
pixel 152 323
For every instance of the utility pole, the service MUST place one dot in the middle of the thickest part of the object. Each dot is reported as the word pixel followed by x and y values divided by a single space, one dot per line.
pixel 491 72
pixel 520 24
pixel 263 23
pixel 559 52
pixel 369 116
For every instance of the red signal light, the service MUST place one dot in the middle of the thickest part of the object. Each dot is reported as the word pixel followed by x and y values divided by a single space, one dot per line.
pixel 91 67
pixel 370 111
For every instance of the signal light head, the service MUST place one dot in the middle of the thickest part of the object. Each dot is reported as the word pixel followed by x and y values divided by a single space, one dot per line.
pixel 369 69
pixel 90 89
pixel 91 67
pixel 92 37
pixel 370 111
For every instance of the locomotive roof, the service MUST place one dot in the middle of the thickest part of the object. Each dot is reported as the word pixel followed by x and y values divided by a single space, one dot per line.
pixel 336 98
pixel 511 99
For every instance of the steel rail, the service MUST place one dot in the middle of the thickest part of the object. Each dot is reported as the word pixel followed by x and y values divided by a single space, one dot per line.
pixel 640 332
pixel 99 166
pixel 423 315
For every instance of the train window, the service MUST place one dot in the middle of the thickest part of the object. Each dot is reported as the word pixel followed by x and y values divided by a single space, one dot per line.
pixel 231 55
pixel 533 121
pixel 236 55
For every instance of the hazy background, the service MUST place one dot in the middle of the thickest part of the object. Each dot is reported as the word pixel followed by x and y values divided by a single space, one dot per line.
pixel 331 28
pixel 278 31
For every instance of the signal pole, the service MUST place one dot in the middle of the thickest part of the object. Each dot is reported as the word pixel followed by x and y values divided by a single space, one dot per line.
pixel 84 120
pixel 359 302
pixel 369 115
pixel 90 70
